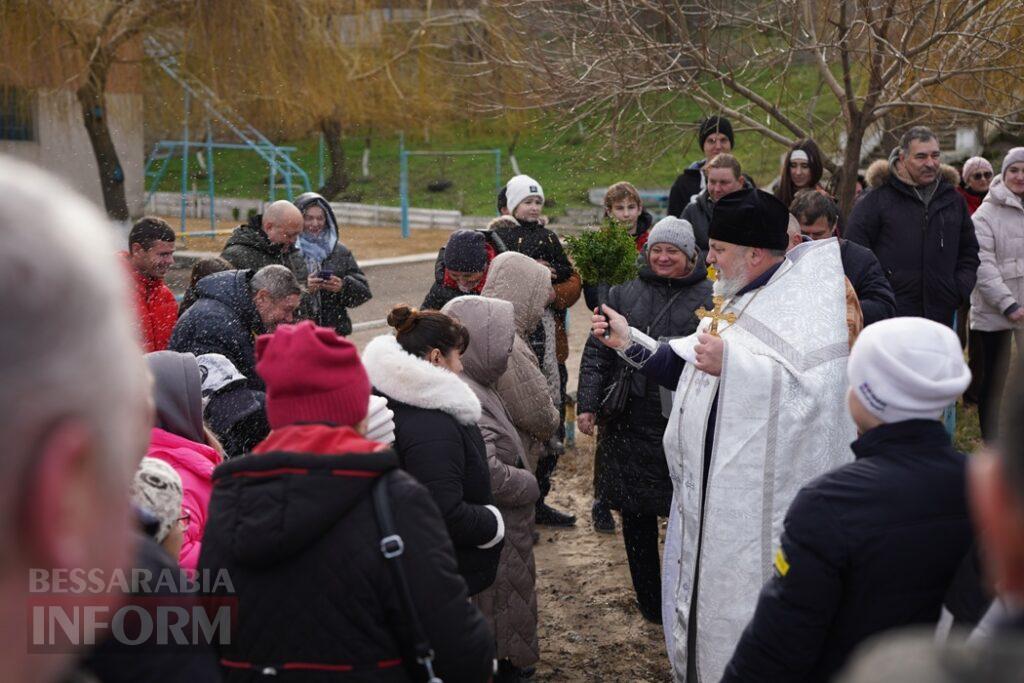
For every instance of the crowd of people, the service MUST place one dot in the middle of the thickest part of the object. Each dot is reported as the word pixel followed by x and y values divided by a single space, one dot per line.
pixel 777 382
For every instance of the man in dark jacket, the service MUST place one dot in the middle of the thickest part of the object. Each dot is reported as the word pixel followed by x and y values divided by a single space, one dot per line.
pixel 715 137
pixel 268 239
pixel 818 216
pixel 874 544
pixel 724 176
pixel 921 231
pixel 233 307
pixel 294 526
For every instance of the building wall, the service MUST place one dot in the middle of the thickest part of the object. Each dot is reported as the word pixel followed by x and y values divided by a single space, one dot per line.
pixel 62 146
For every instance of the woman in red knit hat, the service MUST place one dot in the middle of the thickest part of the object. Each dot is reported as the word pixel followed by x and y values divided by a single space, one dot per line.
pixel 294 525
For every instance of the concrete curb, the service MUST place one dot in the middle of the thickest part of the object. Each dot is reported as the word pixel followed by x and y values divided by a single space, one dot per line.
pixel 369 325
pixel 184 258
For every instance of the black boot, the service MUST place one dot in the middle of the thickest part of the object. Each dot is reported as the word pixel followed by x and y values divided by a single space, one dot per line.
pixel 548 516
pixel 601 515
pixel 509 673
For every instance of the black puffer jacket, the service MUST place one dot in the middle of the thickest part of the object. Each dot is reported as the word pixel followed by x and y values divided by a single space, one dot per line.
pixel 223 320
pixel 698 213
pixel 330 309
pixel 928 253
pixel 687 184
pixel 249 248
pixel 634 474
pixel 539 243
pixel 295 528
pixel 861 267
pixel 438 442
pixel 868 547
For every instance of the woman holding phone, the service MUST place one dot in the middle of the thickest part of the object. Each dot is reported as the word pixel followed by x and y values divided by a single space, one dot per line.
pixel 335 282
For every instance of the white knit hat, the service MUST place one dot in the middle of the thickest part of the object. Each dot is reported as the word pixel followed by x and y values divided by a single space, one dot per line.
pixel 519 188
pixel 907 369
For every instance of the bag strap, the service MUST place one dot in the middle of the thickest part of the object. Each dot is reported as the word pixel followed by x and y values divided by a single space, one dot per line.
pixel 664 310
pixel 392 547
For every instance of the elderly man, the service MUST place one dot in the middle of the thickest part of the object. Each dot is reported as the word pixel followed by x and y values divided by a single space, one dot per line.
pixel 150 255
pixel 268 239
pixel 921 231
pixel 73 407
pixel 233 307
pixel 758 412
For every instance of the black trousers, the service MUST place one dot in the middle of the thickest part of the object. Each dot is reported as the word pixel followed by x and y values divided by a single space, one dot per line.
pixel 640 534
pixel 994 355
pixel 546 465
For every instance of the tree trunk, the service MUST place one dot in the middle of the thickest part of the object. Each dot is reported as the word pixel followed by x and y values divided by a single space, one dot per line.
pixel 847 188
pixel 337 180
pixel 94 114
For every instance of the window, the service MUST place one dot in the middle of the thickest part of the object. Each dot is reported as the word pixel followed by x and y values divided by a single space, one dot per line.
pixel 15 114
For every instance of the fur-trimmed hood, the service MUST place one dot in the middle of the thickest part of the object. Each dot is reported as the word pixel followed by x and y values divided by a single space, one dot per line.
pixel 879 171
pixel 402 376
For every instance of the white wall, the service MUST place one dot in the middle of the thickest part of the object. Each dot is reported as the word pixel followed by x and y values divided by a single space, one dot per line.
pixel 62 146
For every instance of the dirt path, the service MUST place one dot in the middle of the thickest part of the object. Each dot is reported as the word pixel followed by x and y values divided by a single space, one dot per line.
pixel 590 629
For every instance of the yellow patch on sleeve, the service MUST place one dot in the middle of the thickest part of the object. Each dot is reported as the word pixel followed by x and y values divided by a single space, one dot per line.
pixel 781 564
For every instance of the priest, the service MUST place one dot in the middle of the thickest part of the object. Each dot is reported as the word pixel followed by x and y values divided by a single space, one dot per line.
pixel 758 411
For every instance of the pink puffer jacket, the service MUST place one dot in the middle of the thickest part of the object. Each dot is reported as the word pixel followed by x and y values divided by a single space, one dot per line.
pixel 194 463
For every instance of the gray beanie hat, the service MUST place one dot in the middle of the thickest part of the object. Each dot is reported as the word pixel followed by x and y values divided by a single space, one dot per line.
pixel 675 231
pixel 157 487
pixel 1014 156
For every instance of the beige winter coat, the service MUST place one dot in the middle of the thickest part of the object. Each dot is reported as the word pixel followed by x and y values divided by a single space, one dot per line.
pixel 524 390
pixel 511 602
pixel 999 225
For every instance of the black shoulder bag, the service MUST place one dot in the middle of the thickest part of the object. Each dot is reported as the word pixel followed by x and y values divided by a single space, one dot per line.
pixel 616 394
pixel 392 547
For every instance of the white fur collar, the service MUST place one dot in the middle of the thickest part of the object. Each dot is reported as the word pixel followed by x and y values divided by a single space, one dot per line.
pixel 406 378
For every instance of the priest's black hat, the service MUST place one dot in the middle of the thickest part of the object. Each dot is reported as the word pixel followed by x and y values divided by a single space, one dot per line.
pixel 751 218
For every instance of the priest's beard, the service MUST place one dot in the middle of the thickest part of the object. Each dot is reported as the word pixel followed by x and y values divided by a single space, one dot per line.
pixel 727 287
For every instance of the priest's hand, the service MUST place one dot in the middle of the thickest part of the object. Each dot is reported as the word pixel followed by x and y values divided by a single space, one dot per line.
pixel 611 329
pixel 585 423
pixel 709 351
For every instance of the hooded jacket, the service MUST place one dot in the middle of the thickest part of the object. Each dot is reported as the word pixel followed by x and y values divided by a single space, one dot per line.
pixel 330 309
pixel 687 184
pixel 523 387
pixel 179 439
pixel 928 252
pixel 511 603
pixel 223 320
pixel 445 288
pixel 294 526
pixel 439 444
pixel 634 473
pixel 999 225
pixel 156 309
pixel 248 248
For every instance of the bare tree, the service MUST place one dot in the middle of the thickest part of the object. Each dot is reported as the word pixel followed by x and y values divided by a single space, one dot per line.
pixel 770 66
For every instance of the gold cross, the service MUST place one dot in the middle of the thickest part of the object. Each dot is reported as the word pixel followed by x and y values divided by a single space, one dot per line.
pixel 716 315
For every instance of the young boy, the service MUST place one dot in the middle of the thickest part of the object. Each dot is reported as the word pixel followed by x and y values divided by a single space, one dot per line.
pixel 874 544
pixel 622 203
pixel 527 235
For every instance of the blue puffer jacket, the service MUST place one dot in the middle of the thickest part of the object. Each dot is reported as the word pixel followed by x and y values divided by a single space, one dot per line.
pixel 223 320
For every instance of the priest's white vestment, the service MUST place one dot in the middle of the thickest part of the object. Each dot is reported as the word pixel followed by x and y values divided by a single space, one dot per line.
pixel 781 421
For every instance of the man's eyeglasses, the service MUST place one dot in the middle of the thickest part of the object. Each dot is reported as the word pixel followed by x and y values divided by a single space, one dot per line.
pixel 982 174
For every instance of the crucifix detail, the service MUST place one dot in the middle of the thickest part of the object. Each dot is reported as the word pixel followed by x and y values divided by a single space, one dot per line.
pixel 716 315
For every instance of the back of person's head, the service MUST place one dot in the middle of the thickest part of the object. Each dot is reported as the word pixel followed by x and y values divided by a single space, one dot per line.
pixel 73 394
pixel 312 375
pixel 419 332
pixel 207 266
pixel 906 369
pixel 621 191
pixel 810 205
pixel 725 160
pixel 148 230
pixel 276 280
pixel 177 394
